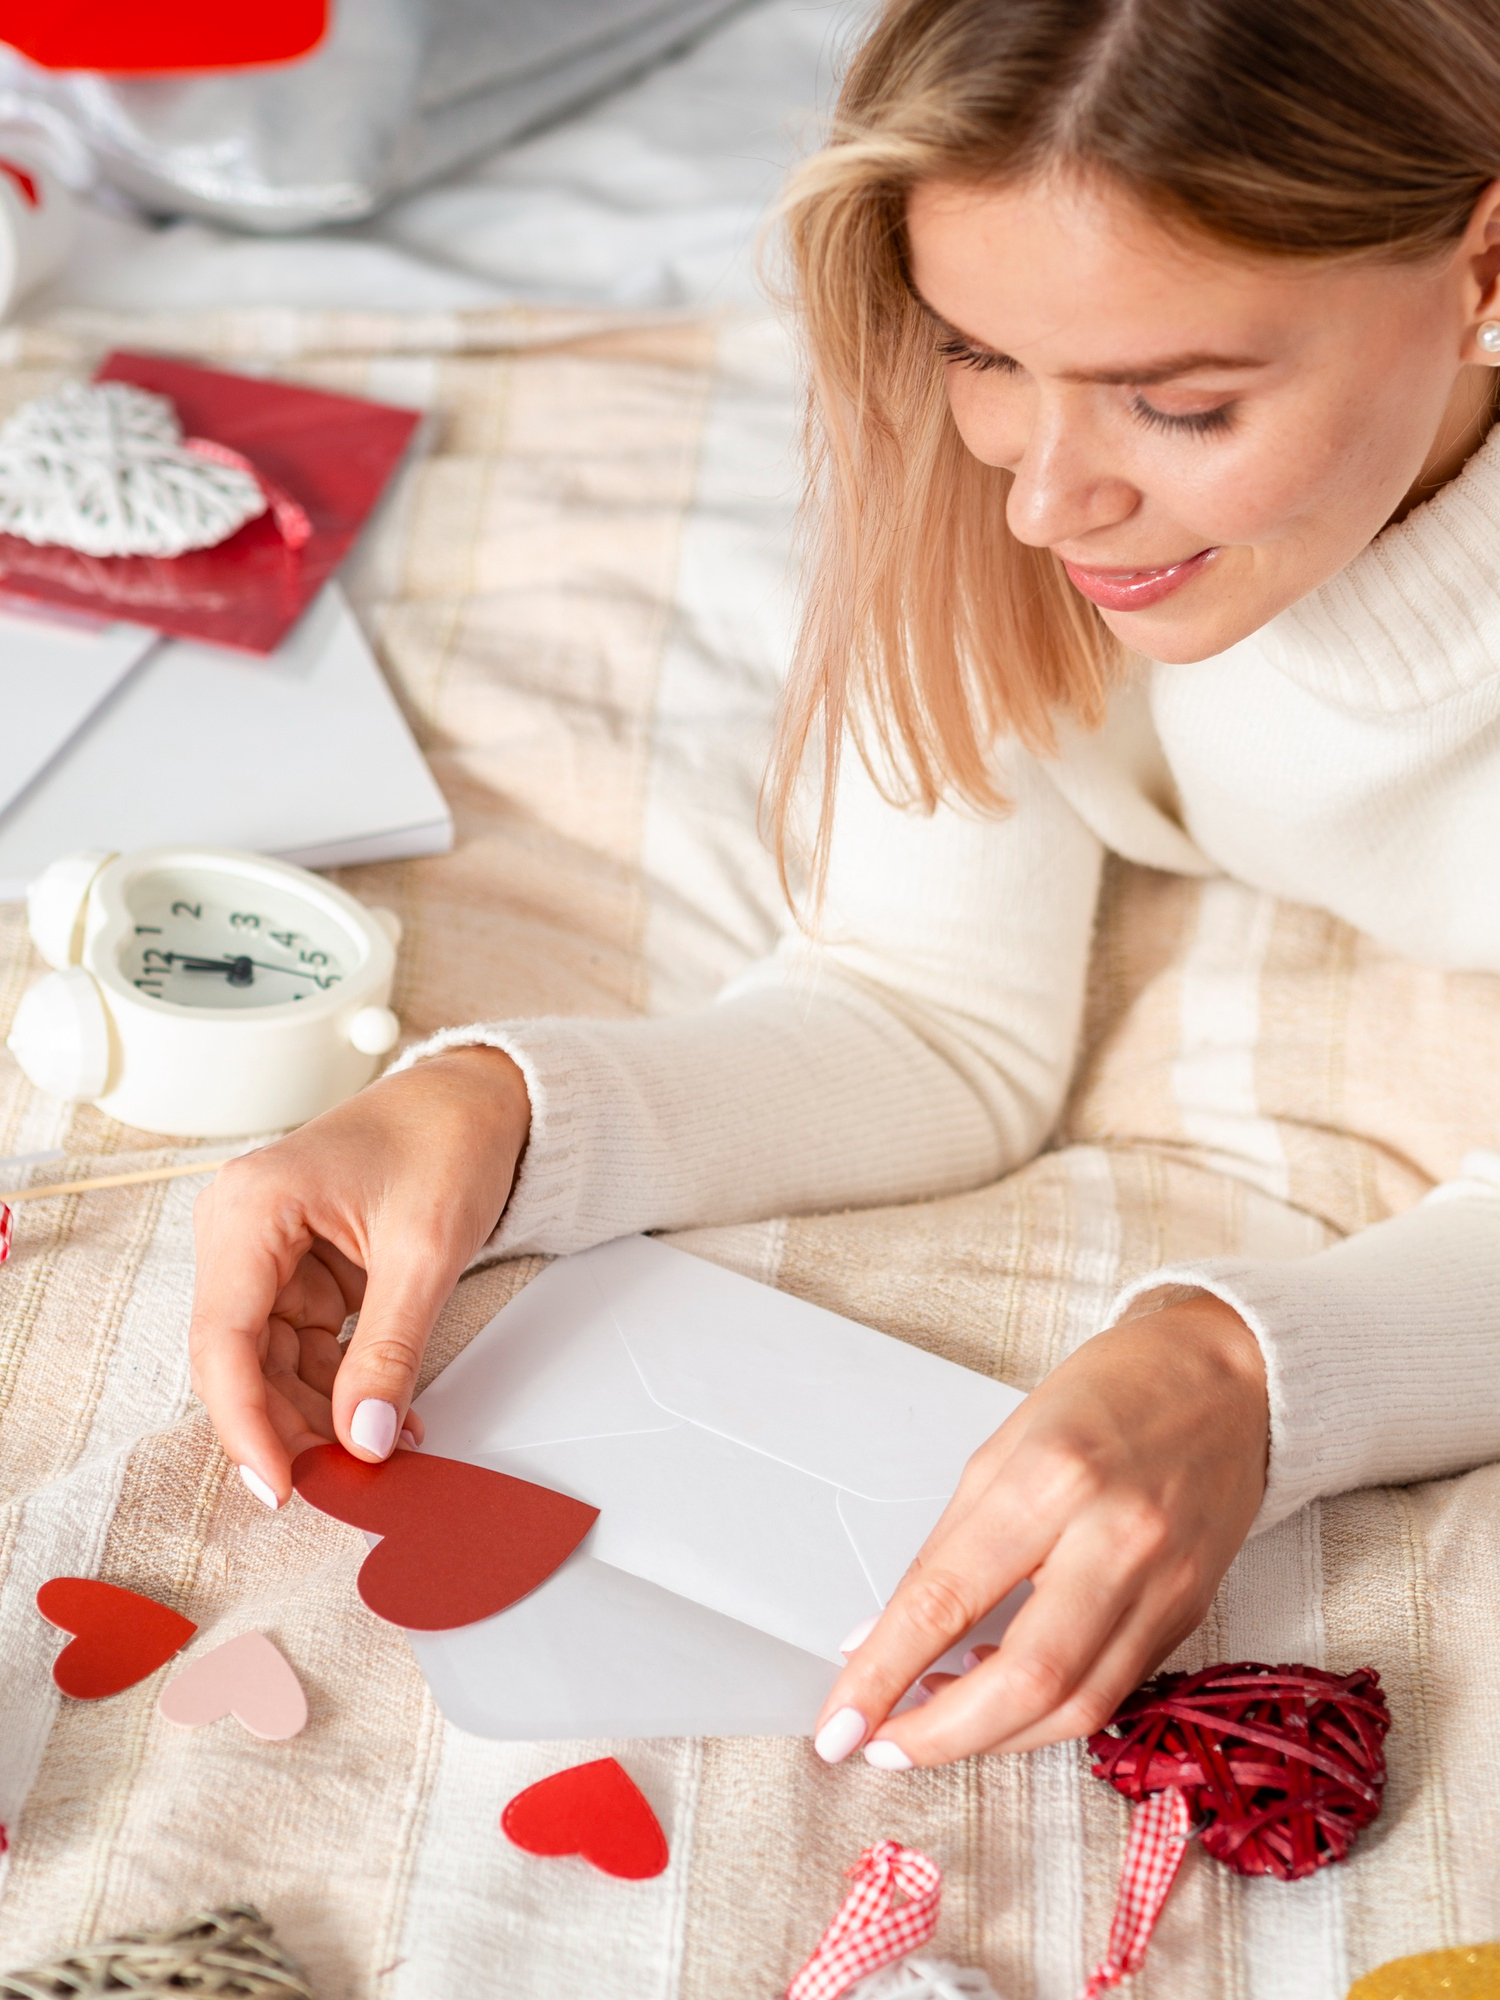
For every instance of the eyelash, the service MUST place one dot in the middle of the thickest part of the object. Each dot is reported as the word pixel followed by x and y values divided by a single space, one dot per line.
pixel 954 349
pixel 1201 423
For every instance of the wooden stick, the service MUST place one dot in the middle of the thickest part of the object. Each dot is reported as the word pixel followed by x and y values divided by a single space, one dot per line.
pixel 116 1180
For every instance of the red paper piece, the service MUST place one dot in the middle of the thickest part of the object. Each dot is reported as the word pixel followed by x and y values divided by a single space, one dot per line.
pixel 593 1810
pixel 26 187
pixel 460 1542
pixel 122 1636
pixel 167 35
pixel 332 455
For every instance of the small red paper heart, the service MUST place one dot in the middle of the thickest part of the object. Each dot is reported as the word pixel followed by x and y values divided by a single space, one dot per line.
pixel 460 1542
pixel 593 1810
pixel 168 35
pixel 121 1636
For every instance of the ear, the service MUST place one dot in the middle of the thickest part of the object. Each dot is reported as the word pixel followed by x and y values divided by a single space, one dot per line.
pixel 1479 269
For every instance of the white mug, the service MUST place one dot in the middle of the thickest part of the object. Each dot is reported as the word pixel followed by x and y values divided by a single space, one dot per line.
pixel 37 221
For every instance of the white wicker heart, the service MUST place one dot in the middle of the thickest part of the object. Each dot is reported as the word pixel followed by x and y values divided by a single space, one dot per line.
pixel 102 467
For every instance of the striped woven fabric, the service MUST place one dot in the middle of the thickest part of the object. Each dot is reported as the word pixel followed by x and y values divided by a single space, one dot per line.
pixel 576 595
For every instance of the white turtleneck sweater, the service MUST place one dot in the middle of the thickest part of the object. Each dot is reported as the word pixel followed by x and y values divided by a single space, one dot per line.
pixel 1346 756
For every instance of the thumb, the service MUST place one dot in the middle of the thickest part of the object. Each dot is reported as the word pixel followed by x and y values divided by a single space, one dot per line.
pixel 378 1374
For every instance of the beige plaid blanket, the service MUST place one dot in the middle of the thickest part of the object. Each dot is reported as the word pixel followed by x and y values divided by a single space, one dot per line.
pixel 578 596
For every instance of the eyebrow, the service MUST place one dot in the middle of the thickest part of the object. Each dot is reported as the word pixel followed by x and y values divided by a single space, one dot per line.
pixel 1164 370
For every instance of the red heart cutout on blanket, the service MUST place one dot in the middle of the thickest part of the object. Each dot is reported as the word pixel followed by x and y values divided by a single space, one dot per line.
pixel 594 1810
pixel 248 1678
pixel 460 1542
pixel 121 1636
pixel 169 34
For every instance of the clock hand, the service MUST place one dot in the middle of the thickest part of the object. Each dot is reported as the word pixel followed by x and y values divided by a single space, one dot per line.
pixel 301 971
pixel 238 969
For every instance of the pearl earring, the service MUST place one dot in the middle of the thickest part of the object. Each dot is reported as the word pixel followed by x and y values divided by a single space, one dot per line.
pixel 1489 336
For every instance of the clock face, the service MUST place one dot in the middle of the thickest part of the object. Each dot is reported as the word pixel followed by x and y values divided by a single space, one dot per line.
pixel 209 940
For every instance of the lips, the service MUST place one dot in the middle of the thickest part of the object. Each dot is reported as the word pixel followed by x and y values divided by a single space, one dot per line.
pixel 1136 589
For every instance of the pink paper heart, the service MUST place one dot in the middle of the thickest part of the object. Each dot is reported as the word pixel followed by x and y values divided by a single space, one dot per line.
pixel 247 1678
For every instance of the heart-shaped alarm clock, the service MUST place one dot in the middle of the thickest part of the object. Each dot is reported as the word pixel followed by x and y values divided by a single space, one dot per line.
pixel 204 992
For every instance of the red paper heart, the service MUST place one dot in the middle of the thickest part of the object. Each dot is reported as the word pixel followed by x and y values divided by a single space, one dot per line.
pixel 121 1637
pixel 460 1542
pixel 167 35
pixel 593 1810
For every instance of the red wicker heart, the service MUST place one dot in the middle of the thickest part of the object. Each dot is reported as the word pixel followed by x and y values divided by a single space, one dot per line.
pixel 1281 1766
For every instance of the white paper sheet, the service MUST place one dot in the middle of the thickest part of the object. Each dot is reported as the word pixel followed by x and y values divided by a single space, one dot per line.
pixel 53 675
pixel 764 1470
pixel 304 755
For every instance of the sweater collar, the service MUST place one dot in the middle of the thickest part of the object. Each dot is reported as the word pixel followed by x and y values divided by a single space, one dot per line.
pixel 1415 617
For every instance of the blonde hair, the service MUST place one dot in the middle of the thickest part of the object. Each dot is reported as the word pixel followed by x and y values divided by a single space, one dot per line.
pixel 1290 128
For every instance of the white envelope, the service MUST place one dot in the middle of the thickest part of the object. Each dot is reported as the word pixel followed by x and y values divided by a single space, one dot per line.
pixel 764 1470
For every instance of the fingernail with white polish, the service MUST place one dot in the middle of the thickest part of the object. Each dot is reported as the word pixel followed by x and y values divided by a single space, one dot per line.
pixel 409 1439
pixel 852 1641
pixel 840 1734
pixel 373 1426
pixel 265 1494
pixel 887 1756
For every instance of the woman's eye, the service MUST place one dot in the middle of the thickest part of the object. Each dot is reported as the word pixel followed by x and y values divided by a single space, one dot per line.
pixel 1199 423
pixel 978 358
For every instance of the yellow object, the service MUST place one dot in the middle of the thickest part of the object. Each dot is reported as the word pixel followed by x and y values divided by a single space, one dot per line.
pixel 112 1181
pixel 1472 1972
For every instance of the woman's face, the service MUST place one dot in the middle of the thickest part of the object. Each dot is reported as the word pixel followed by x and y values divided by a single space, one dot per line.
pixel 1202 437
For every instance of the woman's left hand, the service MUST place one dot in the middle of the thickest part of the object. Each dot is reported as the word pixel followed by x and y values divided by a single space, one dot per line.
pixel 1122 1487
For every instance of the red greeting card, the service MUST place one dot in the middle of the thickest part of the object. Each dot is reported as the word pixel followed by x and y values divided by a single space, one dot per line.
pixel 167 35
pixel 331 455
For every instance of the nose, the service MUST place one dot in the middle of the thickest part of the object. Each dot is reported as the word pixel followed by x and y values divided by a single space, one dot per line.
pixel 1062 490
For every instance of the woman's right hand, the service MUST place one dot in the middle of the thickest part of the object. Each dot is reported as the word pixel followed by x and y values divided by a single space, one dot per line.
pixel 374 1208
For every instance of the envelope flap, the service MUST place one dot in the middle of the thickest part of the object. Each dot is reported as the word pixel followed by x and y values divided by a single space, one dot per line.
pixel 801 1384
pixel 551 1365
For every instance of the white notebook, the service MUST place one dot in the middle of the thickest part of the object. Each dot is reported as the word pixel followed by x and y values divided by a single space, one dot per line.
pixel 304 755
pixel 53 675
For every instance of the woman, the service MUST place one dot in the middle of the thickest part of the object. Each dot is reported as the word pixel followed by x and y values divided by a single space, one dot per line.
pixel 1152 347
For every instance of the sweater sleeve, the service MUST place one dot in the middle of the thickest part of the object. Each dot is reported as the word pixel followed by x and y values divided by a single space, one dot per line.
pixel 1382 1354
pixel 921 1043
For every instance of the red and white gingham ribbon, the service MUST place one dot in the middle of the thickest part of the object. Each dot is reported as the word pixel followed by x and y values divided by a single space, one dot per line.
pixel 7 1223
pixel 289 515
pixel 1159 1832
pixel 869 1930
